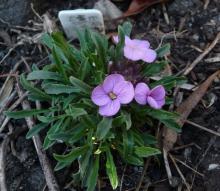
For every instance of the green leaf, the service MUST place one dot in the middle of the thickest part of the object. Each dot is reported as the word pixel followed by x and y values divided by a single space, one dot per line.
pixel 164 50
pixel 53 129
pixel 73 155
pixel 33 90
pixel 111 170
pixel 84 163
pixel 57 58
pixel 128 143
pixel 169 82
pixel 127 27
pixel 152 69
pixel 47 40
pixel 84 69
pixel 148 139
pixel 56 89
pixel 103 128
pixel 48 143
pixel 131 159
pixel 35 130
pixel 82 86
pixel 171 123
pixel 101 46
pixel 127 119
pixel 134 160
pixel 93 175
pixel 161 114
pixel 146 151
pixel 75 112
pixel 61 165
pixel 120 44
pixel 25 113
pixel 44 75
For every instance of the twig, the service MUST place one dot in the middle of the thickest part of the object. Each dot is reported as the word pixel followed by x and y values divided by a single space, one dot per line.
pixel 35 12
pixel 10 50
pixel 16 103
pixel 180 173
pixel 44 161
pixel 201 158
pixel 142 175
pixel 206 3
pixel 7 101
pixel 203 128
pixel 3 152
pixel 122 178
pixel 200 174
pixel 167 166
pixel 166 17
pixel 201 56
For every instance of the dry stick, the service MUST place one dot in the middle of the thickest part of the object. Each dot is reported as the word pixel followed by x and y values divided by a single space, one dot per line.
pixel 180 173
pixel 206 3
pixel 7 101
pixel 16 103
pixel 203 128
pixel 10 50
pixel 142 175
pixel 201 56
pixel 167 166
pixel 122 177
pixel 200 174
pixel 44 161
pixel 3 152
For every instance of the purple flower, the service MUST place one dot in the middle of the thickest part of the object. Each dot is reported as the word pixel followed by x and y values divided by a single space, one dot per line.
pixel 155 97
pixel 137 49
pixel 114 91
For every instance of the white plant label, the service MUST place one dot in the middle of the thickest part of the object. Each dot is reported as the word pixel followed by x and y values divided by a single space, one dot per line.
pixel 73 20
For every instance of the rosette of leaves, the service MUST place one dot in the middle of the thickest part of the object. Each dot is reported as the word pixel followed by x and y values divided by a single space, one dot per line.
pixel 64 89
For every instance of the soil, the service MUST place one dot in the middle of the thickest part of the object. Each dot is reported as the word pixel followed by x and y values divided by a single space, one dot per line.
pixel 190 29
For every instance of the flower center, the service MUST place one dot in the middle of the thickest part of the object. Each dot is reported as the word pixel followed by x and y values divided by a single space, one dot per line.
pixel 112 95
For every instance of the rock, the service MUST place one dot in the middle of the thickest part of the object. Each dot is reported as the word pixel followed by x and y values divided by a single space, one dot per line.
pixel 109 10
pixel 73 20
pixel 15 12
pixel 184 6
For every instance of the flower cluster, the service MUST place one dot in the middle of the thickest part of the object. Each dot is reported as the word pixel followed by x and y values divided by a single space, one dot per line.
pixel 115 91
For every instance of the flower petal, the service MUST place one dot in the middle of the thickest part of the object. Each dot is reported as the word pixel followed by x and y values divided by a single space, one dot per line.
pixel 149 55
pixel 153 103
pixel 110 109
pixel 124 91
pixel 99 96
pixel 141 43
pixel 110 82
pixel 115 39
pixel 133 53
pixel 140 93
pixel 161 103
pixel 158 93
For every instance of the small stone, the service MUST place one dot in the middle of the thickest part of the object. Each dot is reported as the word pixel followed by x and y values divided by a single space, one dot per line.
pixel 109 10
pixel 73 20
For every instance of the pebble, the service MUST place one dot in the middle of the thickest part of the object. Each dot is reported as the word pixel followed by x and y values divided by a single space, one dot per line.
pixel 73 20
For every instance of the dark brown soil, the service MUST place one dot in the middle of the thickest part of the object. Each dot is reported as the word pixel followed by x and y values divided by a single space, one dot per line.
pixel 189 26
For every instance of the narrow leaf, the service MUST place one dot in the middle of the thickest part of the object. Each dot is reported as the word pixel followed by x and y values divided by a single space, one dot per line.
pixel 25 113
pixel 103 128
pixel 73 155
pixel 44 75
pixel 35 130
pixel 111 170
pixel 82 86
pixel 146 151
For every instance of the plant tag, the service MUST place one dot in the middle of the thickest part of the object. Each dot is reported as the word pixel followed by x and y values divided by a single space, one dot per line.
pixel 73 20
